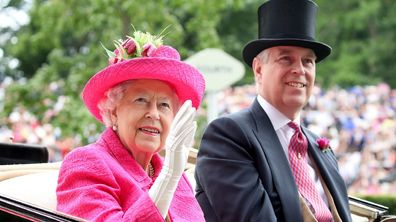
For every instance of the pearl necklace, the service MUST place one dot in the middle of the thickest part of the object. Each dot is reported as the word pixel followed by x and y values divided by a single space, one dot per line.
pixel 150 170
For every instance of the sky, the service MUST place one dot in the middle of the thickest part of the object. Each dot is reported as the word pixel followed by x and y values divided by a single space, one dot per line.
pixel 11 17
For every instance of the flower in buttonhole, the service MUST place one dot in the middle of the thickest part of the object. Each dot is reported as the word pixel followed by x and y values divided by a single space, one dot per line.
pixel 324 144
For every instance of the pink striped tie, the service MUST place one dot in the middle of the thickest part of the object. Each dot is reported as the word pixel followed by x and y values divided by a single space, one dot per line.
pixel 297 157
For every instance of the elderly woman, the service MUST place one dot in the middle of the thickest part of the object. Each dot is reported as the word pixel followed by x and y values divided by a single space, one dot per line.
pixel 146 98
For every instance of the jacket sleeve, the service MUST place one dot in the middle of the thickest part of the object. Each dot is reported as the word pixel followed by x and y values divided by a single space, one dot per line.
pixel 228 184
pixel 87 189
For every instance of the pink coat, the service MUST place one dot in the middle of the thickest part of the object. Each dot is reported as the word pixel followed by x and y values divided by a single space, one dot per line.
pixel 102 182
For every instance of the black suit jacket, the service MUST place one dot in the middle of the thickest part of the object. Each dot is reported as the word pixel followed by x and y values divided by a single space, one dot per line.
pixel 243 174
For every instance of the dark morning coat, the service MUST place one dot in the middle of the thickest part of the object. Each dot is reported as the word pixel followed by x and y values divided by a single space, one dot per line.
pixel 243 174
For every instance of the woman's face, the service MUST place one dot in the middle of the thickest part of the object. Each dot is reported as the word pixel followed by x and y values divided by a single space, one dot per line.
pixel 144 115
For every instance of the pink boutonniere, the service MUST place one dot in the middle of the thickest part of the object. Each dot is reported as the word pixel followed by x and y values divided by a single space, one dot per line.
pixel 323 143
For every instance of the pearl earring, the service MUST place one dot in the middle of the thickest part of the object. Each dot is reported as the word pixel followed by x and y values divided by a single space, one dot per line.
pixel 114 127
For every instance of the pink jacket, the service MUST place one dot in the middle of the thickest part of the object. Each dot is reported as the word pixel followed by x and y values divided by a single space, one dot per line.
pixel 102 182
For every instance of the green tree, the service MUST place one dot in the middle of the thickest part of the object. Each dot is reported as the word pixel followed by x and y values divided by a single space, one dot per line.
pixel 361 33
pixel 60 47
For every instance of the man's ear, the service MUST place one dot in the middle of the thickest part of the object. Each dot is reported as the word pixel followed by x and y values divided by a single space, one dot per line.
pixel 256 67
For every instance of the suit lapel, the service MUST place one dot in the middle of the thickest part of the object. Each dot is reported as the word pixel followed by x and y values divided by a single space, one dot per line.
pixel 324 161
pixel 282 176
pixel 326 167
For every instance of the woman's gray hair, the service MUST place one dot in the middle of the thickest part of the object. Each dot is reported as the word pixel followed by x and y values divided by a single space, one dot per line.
pixel 110 101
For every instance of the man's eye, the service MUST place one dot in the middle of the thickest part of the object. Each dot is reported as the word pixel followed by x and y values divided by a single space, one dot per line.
pixel 309 61
pixel 284 59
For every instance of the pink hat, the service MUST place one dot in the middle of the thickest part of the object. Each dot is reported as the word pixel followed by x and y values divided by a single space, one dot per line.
pixel 151 61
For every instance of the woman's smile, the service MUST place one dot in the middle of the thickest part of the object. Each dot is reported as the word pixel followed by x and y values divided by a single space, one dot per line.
pixel 150 130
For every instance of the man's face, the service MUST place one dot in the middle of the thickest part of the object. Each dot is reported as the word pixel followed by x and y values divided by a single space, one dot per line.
pixel 285 77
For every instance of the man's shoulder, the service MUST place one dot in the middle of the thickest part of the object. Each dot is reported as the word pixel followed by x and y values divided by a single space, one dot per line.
pixel 238 116
pixel 239 119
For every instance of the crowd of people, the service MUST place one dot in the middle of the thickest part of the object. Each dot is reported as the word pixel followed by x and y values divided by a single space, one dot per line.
pixel 360 123
pixel 21 126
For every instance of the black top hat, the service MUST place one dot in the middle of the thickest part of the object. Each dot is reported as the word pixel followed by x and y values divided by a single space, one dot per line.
pixel 286 22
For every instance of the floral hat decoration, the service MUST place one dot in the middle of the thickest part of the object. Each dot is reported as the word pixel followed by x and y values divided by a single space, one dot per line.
pixel 144 56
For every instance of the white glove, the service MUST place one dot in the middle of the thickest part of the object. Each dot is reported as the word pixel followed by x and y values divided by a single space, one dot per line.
pixel 180 138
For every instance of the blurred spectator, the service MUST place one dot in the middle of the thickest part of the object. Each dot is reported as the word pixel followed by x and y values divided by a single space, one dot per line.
pixel 23 127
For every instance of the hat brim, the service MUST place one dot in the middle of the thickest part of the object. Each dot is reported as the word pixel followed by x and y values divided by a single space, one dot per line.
pixel 255 47
pixel 187 81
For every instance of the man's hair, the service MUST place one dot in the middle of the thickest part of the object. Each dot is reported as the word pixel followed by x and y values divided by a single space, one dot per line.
pixel 263 56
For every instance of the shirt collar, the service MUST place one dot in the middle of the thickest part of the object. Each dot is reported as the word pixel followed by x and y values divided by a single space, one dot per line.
pixel 277 118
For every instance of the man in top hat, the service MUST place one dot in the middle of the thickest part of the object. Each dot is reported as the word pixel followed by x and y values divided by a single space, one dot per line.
pixel 260 164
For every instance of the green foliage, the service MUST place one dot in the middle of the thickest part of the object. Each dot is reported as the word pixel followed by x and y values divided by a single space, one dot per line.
pixel 361 33
pixel 387 201
pixel 237 27
pixel 61 44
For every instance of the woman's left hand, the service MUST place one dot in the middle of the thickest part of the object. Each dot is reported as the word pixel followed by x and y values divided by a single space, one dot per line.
pixel 180 139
